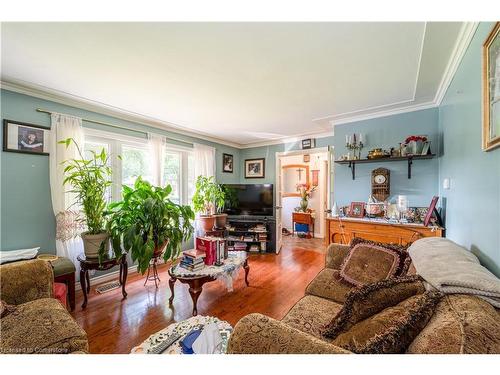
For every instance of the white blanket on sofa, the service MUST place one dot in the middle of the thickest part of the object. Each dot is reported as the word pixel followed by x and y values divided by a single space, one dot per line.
pixel 452 269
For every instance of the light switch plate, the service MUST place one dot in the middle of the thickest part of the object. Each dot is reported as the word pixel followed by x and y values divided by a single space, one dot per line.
pixel 446 183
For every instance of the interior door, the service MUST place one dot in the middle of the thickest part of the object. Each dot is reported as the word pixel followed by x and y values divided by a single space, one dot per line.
pixel 279 198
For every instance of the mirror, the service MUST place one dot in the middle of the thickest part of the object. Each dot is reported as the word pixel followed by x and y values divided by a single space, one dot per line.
pixel 294 174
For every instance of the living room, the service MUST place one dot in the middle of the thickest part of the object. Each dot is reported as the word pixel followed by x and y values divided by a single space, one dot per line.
pixel 237 188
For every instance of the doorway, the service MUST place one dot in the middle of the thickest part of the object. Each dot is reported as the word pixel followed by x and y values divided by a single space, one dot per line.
pixel 302 174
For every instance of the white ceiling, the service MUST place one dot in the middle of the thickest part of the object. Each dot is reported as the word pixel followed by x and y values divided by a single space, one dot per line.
pixel 240 82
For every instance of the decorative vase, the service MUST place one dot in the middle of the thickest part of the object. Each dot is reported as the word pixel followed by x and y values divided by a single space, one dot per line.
pixel 92 243
pixel 303 204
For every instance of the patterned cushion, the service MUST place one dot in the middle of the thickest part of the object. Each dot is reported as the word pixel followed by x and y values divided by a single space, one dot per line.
pixel 363 302
pixel 371 261
pixel 5 309
pixel 310 314
pixel 462 324
pixel 41 326
pixel 368 263
pixel 329 284
pixel 392 330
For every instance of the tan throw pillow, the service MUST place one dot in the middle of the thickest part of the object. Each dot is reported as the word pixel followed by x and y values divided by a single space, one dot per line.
pixel 370 299
pixel 371 261
pixel 393 329
pixel 368 263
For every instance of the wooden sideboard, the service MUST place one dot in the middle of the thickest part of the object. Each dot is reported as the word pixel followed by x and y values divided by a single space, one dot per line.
pixel 343 230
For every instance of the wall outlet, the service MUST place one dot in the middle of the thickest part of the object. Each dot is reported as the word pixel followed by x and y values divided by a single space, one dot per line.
pixel 447 183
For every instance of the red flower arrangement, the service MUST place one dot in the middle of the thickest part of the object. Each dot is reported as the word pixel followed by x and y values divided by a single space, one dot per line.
pixel 415 138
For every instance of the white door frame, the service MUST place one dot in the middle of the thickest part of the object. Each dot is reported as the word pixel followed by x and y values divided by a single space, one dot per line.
pixel 329 185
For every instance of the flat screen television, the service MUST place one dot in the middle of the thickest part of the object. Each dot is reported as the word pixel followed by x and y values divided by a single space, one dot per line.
pixel 249 199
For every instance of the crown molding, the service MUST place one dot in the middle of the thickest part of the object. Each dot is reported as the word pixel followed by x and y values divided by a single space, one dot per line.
pixel 283 140
pixel 64 98
pixel 464 38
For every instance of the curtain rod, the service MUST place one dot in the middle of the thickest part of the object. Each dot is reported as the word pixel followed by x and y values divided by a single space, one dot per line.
pixel 116 126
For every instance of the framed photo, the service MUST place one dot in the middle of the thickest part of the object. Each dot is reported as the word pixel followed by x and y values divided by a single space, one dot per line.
pixel 491 90
pixel 25 138
pixel 308 143
pixel 255 168
pixel 227 163
pixel 357 209
pixel 432 211
pixel 426 148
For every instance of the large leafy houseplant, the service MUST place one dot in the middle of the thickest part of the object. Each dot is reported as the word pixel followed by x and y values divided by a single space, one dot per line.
pixel 146 222
pixel 89 178
pixel 208 195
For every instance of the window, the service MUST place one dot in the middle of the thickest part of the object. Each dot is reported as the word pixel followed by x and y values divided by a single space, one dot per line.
pixel 135 160
pixel 172 174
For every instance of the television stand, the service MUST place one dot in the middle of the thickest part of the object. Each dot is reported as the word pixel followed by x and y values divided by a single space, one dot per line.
pixel 252 234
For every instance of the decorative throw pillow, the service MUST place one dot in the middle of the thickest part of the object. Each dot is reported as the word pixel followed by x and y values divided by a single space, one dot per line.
pixel 363 302
pixel 371 261
pixel 393 329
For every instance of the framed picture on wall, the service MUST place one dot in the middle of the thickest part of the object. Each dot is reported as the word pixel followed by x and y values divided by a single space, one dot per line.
pixel 255 168
pixel 491 90
pixel 25 138
pixel 227 163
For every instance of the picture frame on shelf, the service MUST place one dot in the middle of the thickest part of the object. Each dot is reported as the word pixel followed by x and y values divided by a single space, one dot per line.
pixel 255 168
pixel 357 209
pixel 426 148
pixel 227 163
pixel 25 138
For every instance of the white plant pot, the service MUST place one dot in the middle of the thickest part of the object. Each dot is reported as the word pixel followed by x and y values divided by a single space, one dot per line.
pixel 92 243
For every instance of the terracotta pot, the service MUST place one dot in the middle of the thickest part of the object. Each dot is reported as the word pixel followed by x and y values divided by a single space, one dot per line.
pixel 220 220
pixel 92 243
pixel 207 222
pixel 159 250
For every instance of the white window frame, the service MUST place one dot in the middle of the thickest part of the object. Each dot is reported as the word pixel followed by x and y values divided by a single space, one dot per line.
pixel 116 143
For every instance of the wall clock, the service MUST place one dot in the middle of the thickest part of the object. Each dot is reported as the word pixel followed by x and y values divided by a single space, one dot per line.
pixel 381 184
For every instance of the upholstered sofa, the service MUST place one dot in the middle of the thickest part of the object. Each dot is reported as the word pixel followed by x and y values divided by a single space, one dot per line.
pixel 32 320
pixel 459 324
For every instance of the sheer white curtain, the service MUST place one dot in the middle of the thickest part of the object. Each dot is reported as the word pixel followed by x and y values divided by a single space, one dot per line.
pixel 68 242
pixel 157 144
pixel 204 160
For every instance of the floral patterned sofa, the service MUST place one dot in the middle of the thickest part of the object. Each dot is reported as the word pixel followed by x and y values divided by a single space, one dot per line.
pixel 459 323
pixel 32 321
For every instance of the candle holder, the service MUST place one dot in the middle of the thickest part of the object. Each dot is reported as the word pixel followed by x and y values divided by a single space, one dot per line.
pixel 355 144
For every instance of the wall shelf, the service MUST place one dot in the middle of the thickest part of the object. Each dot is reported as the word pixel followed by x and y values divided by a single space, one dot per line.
pixel 409 159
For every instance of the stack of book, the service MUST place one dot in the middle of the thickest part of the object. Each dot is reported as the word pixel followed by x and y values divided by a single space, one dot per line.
pixel 240 246
pixel 193 260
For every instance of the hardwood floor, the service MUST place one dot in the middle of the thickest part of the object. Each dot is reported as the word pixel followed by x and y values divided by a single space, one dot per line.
pixel 114 325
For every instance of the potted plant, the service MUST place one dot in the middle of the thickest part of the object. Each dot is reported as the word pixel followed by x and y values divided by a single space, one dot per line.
pixel 89 179
pixel 146 222
pixel 207 193
pixel 220 203
pixel 305 192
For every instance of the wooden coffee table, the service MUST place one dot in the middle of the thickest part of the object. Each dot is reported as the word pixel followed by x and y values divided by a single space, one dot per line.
pixel 197 279
pixel 87 264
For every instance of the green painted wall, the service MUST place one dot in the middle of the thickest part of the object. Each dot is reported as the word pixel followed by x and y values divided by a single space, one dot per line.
pixel 26 215
pixel 380 132
pixel 473 202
